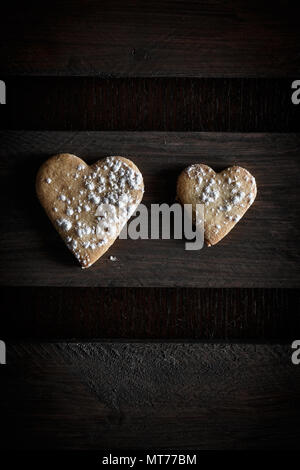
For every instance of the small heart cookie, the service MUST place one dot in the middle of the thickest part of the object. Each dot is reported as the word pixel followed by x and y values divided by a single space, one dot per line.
pixel 226 197
pixel 89 205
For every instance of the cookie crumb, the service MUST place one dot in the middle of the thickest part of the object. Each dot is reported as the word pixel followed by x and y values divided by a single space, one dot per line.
pixel 113 258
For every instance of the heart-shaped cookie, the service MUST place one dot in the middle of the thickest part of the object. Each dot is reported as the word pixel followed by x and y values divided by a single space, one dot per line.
pixel 89 205
pixel 226 197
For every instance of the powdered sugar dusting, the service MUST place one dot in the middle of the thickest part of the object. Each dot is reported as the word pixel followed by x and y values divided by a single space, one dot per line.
pixel 226 196
pixel 92 206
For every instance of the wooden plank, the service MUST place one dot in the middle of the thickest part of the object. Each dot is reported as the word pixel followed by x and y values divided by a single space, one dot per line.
pixel 60 313
pixel 158 38
pixel 178 396
pixel 145 104
pixel 262 251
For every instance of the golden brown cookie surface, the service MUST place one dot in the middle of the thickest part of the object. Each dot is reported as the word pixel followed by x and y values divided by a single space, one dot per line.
pixel 89 205
pixel 226 196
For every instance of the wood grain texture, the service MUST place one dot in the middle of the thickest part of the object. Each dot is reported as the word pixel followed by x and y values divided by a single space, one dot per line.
pixel 262 251
pixel 145 104
pixel 178 396
pixel 157 38
pixel 60 313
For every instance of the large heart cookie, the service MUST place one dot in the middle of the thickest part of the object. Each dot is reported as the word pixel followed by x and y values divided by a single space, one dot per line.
pixel 226 197
pixel 89 205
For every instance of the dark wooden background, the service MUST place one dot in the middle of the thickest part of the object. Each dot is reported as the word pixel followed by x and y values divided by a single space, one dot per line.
pixel 60 313
pixel 139 38
pixel 149 396
pixel 150 104
pixel 109 395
